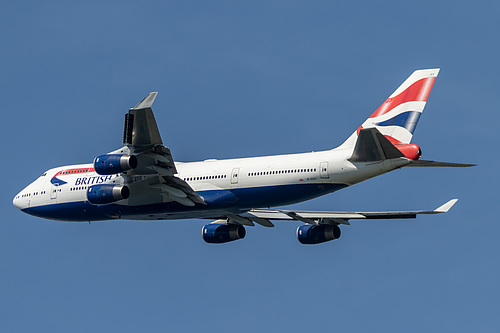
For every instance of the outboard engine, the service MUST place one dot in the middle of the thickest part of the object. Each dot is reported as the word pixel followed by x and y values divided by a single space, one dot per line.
pixel 104 194
pixel 315 234
pixel 222 232
pixel 112 164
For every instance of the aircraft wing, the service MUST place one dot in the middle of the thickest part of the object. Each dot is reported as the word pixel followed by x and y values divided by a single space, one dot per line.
pixel 154 178
pixel 318 217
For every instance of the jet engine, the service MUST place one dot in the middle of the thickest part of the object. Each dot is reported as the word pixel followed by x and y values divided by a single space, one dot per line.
pixel 315 234
pixel 104 194
pixel 222 232
pixel 111 164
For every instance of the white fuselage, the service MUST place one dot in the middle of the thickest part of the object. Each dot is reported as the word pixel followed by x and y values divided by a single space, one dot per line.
pixel 228 186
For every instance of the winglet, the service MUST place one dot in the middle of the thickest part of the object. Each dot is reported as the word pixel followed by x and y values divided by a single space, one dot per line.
pixel 140 125
pixel 147 102
pixel 446 207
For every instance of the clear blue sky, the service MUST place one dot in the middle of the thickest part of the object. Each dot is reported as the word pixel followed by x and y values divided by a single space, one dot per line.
pixel 238 79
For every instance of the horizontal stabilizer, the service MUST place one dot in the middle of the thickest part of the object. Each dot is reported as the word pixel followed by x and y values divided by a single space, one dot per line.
pixel 424 163
pixel 372 146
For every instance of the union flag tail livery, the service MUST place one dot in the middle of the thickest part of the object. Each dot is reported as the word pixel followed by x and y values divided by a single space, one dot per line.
pixel 142 181
pixel 398 116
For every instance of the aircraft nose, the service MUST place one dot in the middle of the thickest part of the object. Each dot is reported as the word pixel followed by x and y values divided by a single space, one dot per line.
pixel 17 202
pixel 20 200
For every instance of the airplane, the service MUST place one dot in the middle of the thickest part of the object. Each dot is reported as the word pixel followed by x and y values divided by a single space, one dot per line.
pixel 141 180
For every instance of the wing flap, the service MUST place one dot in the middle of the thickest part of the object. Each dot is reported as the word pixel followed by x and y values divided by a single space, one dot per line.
pixel 184 187
pixel 262 222
pixel 298 215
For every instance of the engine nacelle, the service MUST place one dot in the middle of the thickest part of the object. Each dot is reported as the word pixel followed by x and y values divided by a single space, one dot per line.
pixel 315 234
pixel 111 164
pixel 222 233
pixel 104 194
pixel 412 152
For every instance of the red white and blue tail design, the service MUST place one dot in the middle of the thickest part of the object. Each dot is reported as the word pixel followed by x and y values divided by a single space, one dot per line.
pixel 398 116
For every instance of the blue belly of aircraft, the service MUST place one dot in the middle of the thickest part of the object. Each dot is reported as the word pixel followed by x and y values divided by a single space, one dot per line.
pixel 219 203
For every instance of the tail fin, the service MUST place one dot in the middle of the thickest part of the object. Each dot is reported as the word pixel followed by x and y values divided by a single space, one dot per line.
pixel 398 116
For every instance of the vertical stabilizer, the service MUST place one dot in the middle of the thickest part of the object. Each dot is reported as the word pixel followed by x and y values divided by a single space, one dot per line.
pixel 398 116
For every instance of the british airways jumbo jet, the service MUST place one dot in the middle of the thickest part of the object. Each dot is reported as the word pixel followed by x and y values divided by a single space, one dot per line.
pixel 141 181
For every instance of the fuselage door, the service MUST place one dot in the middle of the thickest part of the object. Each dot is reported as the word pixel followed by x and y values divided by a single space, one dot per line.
pixel 235 175
pixel 323 170
pixel 53 192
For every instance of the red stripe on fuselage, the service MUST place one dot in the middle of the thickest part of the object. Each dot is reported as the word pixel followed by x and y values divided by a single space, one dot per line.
pixel 74 171
pixel 417 92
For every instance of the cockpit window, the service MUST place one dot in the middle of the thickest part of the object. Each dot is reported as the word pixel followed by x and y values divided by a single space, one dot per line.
pixel 44 174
